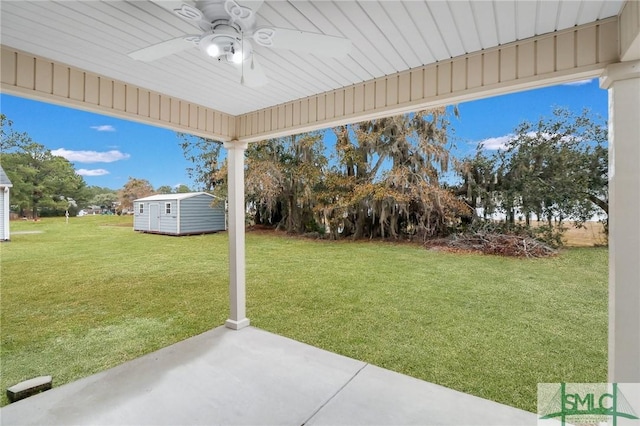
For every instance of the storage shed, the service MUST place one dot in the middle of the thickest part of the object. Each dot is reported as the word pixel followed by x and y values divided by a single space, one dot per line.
pixel 179 214
pixel 5 184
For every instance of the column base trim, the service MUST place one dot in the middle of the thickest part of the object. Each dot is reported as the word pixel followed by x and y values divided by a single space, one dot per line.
pixel 237 325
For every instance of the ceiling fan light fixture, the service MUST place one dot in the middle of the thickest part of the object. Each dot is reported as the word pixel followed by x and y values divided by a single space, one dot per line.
pixel 215 45
pixel 228 33
pixel 213 50
pixel 240 51
pixel 237 57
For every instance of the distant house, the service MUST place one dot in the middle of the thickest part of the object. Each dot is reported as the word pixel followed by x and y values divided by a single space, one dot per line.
pixel 178 214
pixel 5 184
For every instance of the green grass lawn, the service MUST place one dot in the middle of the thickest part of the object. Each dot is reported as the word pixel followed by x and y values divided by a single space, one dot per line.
pixel 79 298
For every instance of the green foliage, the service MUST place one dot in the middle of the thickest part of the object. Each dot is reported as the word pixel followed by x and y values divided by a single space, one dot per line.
pixel 479 181
pixel 204 155
pixel 385 177
pixel 10 140
pixel 182 189
pixel 553 167
pixel 553 170
pixel 281 180
pixel 384 181
pixel 549 234
pixel 41 181
pixel 164 189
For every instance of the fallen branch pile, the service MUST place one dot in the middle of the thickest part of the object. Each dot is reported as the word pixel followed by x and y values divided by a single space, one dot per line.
pixel 500 244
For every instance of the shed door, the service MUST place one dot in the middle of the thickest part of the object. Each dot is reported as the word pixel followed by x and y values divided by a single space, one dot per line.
pixel 154 217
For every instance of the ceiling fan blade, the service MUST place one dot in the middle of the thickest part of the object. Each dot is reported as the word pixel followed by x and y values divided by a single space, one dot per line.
pixel 242 12
pixel 251 73
pixel 172 5
pixel 185 10
pixel 319 44
pixel 164 48
pixel 251 4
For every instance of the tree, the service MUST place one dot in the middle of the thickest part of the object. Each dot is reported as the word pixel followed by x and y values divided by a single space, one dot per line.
pixel 555 169
pixel 106 200
pixel 10 140
pixel 41 181
pixel 204 154
pixel 387 179
pixel 384 180
pixel 164 189
pixel 281 178
pixel 132 190
pixel 182 189
pixel 479 180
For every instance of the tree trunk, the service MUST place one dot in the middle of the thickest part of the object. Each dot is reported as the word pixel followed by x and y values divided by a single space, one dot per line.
pixel 598 202
pixel 360 221
pixel 291 214
pixel 393 225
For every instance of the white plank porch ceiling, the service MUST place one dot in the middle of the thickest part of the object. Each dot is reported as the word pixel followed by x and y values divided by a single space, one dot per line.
pixel 387 36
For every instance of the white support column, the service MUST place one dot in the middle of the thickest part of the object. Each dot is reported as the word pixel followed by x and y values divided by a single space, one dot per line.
pixel 6 213
pixel 237 291
pixel 623 83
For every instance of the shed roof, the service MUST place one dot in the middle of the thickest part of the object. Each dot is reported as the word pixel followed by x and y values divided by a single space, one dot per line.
pixel 181 196
pixel 4 179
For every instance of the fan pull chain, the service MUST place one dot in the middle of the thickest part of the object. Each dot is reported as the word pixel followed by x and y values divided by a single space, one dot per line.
pixel 242 58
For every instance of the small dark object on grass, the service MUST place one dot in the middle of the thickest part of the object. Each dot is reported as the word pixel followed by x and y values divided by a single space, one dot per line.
pixel 29 387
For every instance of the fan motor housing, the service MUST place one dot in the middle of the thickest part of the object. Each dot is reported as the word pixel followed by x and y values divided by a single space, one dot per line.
pixel 223 41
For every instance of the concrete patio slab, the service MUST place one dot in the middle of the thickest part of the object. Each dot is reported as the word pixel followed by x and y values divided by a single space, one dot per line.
pixel 377 396
pixel 252 377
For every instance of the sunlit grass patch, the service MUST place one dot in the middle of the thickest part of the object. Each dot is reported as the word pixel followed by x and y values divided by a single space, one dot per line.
pixel 83 297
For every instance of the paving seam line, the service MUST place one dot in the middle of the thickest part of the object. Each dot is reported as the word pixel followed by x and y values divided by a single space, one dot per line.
pixel 334 395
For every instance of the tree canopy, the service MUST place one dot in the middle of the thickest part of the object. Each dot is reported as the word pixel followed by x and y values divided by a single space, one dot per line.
pixel 42 182
pixel 132 190
pixel 204 155
pixel 382 180
pixel 555 169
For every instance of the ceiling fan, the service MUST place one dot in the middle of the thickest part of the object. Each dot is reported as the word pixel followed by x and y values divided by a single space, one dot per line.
pixel 229 32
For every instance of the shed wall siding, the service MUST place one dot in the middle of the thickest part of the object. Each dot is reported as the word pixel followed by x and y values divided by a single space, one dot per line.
pixel 140 220
pixel 167 223
pixel 197 215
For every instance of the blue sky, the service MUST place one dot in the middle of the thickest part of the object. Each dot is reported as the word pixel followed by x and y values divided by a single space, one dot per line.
pixel 106 151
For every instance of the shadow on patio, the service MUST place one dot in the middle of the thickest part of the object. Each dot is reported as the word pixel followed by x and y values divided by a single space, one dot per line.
pixel 252 377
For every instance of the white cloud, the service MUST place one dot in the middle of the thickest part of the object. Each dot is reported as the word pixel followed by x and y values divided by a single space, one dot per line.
pixel 91 156
pixel 501 142
pixel 494 144
pixel 549 136
pixel 92 172
pixel 104 128
pixel 578 83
